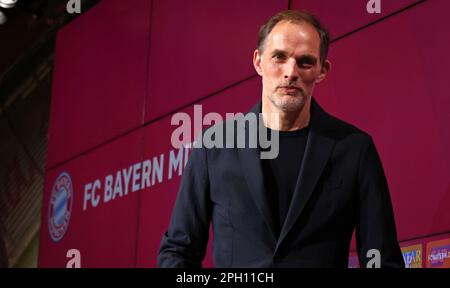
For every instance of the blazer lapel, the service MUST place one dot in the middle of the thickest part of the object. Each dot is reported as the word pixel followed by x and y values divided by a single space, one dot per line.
pixel 252 169
pixel 317 152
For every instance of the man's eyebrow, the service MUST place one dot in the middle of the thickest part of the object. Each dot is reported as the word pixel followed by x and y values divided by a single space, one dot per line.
pixel 307 57
pixel 278 51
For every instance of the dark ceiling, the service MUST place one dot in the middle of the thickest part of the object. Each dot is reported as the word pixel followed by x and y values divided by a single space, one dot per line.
pixel 28 37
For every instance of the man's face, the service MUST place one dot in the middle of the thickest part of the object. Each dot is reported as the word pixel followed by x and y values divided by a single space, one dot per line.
pixel 290 65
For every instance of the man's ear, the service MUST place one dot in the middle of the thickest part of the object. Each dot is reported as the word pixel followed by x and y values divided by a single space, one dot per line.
pixel 326 66
pixel 257 62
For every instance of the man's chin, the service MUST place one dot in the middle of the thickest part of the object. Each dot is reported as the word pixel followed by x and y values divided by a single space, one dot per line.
pixel 289 102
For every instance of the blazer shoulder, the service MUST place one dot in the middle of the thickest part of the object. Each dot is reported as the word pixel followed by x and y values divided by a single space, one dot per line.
pixel 345 128
pixel 341 130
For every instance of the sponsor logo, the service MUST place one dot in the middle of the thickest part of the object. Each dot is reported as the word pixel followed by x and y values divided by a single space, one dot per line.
pixel 412 255
pixel 60 208
pixel 438 254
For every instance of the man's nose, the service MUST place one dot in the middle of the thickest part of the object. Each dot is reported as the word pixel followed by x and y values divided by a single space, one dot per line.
pixel 291 70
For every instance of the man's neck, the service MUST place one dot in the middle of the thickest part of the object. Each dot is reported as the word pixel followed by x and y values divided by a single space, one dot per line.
pixel 277 119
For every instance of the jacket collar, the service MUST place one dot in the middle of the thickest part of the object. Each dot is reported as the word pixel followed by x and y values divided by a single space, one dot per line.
pixel 319 146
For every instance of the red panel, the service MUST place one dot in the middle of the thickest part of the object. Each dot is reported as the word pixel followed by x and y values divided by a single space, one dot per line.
pixel 99 82
pixel 343 16
pixel 388 79
pixel 157 201
pixel 199 47
pixel 105 234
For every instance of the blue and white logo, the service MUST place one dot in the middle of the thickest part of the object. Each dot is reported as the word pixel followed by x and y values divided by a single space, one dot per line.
pixel 60 207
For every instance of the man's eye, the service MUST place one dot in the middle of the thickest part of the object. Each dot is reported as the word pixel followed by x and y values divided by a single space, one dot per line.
pixel 278 57
pixel 306 65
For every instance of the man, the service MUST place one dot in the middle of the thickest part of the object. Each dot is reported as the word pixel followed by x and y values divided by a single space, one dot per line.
pixel 300 208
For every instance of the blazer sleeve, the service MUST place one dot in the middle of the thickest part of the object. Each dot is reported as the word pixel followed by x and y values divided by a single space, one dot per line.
pixel 184 243
pixel 375 227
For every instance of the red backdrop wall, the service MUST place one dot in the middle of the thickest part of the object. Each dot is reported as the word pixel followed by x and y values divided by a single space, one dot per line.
pixel 122 70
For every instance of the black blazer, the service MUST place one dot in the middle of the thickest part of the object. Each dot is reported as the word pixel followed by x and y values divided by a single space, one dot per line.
pixel 341 186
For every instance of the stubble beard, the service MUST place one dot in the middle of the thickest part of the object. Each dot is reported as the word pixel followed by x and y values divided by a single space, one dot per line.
pixel 288 102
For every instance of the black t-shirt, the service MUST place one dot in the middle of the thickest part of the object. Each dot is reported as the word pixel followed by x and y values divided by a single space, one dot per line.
pixel 281 173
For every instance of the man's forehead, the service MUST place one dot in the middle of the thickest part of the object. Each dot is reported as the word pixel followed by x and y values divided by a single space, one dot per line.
pixel 288 29
pixel 293 34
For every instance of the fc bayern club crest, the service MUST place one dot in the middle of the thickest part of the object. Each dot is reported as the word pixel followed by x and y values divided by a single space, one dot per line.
pixel 60 207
